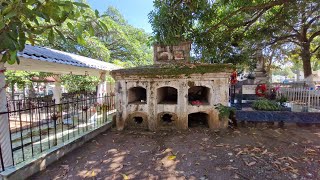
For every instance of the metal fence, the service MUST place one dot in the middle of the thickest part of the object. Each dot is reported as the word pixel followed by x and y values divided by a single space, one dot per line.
pixel 300 95
pixel 38 125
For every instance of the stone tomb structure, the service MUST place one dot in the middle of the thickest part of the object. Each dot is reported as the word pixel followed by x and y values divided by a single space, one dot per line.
pixel 172 93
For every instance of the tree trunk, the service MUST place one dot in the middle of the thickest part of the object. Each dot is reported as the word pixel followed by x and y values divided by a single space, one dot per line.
pixel 306 60
pixel 5 143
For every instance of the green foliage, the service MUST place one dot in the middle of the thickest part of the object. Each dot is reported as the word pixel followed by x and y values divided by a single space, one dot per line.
pixel 286 71
pixel 75 83
pixel 224 111
pixel 23 78
pixel 22 20
pixel 233 31
pixel 73 27
pixel 107 37
pixel 282 100
pixel 266 105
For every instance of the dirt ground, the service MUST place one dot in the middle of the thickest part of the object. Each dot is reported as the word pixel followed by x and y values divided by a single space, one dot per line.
pixel 245 153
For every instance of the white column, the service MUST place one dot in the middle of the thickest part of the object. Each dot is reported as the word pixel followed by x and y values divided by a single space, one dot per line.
pixel 57 90
pixel 102 88
pixel 4 122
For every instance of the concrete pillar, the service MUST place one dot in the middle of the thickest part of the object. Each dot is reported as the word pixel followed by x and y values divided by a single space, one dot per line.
pixel 4 122
pixel 121 101
pixel 182 104
pixel 57 94
pixel 102 88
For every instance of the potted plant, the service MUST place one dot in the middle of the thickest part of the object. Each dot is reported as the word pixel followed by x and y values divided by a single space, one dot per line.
pixel 226 115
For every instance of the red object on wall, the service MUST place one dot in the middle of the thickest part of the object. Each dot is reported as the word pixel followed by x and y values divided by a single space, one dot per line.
pixel 261 90
pixel 234 78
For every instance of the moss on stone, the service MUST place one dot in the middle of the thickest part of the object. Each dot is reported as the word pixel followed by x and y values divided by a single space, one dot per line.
pixel 173 70
pixel 190 83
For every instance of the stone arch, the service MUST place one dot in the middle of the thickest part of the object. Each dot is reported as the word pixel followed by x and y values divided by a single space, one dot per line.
pixel 167 119
pixel 199 95
pixel 164 56
pixel 198 119
pixel 137 95
pixel 137 120
pixel 167 95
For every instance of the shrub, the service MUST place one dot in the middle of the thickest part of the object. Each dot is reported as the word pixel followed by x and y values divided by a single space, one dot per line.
pixel 266 105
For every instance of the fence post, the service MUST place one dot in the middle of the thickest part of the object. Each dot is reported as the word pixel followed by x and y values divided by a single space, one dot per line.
pixel 309 98
pixel 5 142
pixel 101 88
pixel 57 89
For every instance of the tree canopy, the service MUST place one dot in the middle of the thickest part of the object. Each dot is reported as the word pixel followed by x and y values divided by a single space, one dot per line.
pixel 107 37
pixel 233 31
pixel 72 27
pixel 22 20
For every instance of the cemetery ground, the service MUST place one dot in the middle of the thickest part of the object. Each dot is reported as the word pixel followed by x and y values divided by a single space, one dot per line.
pixel 259 152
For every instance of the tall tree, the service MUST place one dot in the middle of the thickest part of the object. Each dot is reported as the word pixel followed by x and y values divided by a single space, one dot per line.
pixel 20 22
pixel 108 38
pixel 229 31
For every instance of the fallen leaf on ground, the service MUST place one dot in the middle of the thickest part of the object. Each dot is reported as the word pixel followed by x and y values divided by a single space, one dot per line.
pixel 310 151
pixel 277 131
pixel 265 151
pixel 125 177
pixel 229 167
pixel 66 167
pixel 292 160
pixel 236 176
pixel 251 163
pixel 172 157
pixel 240 152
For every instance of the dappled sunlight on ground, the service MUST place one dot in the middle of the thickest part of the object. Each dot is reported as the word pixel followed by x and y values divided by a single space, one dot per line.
pixel 246 153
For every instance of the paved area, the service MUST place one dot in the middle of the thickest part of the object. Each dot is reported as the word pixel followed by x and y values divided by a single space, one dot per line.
pixel 246 153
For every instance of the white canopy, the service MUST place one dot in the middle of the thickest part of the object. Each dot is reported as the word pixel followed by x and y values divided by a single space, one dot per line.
pixel 43 59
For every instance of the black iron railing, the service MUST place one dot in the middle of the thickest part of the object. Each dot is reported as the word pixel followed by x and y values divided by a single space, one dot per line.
pixel 37 125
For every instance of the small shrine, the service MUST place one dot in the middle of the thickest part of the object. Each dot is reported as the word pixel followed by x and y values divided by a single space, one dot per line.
pixel 172 93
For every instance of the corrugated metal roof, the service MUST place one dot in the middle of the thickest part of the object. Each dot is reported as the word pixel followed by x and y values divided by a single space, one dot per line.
pixel 56 56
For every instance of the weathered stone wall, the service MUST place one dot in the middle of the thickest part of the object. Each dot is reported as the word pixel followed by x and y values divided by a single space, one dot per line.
pixel 152 111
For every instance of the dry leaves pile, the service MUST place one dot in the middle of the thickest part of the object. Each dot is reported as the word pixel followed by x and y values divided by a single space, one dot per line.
pixel 252 155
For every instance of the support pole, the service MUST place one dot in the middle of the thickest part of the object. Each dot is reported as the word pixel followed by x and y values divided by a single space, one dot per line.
pixel 5 142
pixel 102 88
pixel 57 94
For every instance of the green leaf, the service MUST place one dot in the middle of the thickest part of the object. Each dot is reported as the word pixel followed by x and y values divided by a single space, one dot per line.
pixel 22 40
pixel 31 38
pixel 70 26
pixel 81 4
pixel 97 13
pixel 10 15
pixel 13 57
pixel 2 25
pixel 51 36
pixel 18 60
pixel 61 35
pixel 91 31
pixel 103 25
pixel 5 57
pixel 81 40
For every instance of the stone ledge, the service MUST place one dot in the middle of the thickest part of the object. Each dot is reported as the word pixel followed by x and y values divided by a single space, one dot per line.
pixel 173 70
pixel 34 165
pixel 277 116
